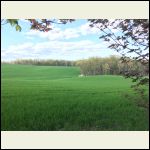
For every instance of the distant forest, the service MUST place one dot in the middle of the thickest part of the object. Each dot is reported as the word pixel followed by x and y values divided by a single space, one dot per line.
pixel 112 65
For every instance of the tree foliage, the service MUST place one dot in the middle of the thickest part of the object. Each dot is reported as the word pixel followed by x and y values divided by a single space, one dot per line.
pixel 41 62
pixel 92 66
pixel 12 22
pixel 129 37
pixel 109 66
pixel 43 25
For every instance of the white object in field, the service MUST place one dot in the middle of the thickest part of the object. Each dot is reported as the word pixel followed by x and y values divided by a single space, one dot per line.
pixel 81 75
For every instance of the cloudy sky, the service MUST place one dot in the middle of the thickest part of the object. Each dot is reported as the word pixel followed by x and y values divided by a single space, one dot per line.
pixel 72 41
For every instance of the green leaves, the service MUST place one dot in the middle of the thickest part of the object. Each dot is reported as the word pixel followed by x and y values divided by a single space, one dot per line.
pixel 14 22
pixel 18 28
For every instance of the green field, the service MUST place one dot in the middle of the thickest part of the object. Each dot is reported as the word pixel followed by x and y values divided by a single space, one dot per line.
pixel 40 98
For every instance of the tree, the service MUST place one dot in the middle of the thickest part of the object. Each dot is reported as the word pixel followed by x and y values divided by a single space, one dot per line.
pixel 127 36
pixel 106 68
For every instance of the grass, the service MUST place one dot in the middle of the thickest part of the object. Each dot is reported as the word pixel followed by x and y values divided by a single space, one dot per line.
pixel 44 98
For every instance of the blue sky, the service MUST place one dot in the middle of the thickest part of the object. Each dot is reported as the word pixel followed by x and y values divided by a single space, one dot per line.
pixel 72 41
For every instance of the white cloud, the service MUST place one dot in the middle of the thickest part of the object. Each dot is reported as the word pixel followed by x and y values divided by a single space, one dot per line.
pixel 69 33
pixel 56 50
pixel 85 29
pixel 20 47
pixel 59 34
pixel 55 34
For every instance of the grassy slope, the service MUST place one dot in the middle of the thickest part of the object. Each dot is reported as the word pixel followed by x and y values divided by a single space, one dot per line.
pixel 55 98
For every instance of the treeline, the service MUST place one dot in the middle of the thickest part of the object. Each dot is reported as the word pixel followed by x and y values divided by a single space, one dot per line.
pixel 41 62
pixel 92 66
pixel 6 62
pixel 109 66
